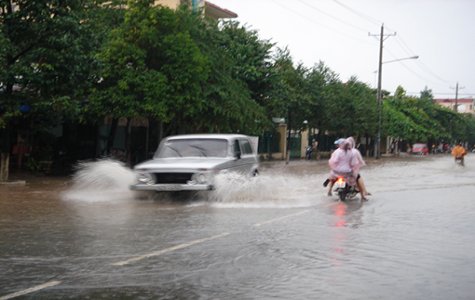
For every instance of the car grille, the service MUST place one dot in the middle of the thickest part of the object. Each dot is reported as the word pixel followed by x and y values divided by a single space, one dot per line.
pixel 172 177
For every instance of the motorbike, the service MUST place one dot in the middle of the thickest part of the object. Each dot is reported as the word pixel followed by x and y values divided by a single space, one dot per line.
pixel 345 188
pixel 459 161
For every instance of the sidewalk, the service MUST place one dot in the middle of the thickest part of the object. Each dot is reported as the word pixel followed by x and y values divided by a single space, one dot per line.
pixel 21 178
pixel 298 166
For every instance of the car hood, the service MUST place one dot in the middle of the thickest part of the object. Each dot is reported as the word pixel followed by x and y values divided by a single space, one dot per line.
pixel 181 164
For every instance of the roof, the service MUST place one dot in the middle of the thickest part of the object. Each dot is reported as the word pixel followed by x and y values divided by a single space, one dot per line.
pixel 214 11
pixel 452 100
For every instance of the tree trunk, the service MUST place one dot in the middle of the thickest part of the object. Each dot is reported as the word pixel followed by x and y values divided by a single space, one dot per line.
pixel 4 154
pixel 128 152
pixel 110 140
pixel 4 166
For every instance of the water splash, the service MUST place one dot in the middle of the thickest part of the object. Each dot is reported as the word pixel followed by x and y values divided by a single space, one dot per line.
pixel 109 180
pixel 265 190
pixel 103 180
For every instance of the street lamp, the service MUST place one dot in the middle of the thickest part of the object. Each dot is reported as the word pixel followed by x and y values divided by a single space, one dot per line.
pixel 377 145
pixel 399 59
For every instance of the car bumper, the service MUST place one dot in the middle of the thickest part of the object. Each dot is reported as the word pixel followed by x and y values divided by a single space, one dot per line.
pixel 171 187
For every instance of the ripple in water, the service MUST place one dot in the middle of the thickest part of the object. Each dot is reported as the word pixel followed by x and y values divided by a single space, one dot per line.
pixel 103 180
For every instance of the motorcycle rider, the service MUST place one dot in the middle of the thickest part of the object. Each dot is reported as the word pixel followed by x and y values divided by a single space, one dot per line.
pixel 458 152
pixel 338 143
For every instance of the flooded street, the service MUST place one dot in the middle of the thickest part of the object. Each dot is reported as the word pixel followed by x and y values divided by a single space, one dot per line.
pixel 277 236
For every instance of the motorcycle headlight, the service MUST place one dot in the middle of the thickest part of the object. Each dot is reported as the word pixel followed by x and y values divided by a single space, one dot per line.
pixel 145 178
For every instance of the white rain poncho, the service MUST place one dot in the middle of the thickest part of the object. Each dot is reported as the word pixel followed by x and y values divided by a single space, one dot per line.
pixel 357 159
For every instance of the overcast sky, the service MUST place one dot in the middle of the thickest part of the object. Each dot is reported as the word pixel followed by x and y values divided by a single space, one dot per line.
pixel 440 32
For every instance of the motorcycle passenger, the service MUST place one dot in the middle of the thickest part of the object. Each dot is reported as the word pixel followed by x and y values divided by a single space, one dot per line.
pixel 458 152
pixel 357 163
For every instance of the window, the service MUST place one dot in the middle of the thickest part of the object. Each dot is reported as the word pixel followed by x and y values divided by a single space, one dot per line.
pixel 246 147
pixel 193 148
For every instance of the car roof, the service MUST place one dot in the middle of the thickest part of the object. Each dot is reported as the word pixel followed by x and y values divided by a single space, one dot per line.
pixel 226 136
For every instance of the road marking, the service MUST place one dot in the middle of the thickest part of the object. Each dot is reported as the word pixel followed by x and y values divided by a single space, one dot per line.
pixel 282 218
pixel 30 290
pixel 163 251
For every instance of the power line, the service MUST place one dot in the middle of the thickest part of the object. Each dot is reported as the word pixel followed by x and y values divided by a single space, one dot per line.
pixel 333 17
pixel 412 71
pixel 423 66
pixel 401 43
pixel 364 16
pixel 320 24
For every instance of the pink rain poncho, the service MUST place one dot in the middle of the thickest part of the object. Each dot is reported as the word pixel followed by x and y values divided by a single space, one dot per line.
pixel 340 160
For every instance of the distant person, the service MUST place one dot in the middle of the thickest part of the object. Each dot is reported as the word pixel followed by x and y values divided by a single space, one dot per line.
pixel 458 152
pixel 315 148
pixel 21 149
pixel 393 146
pixel 446 148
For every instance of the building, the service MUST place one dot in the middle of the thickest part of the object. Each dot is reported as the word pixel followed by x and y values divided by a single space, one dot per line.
pixel 463 105
pixel 209 9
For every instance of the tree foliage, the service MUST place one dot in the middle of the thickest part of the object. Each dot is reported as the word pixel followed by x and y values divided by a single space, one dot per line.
pixel 45 58
pixel 126 59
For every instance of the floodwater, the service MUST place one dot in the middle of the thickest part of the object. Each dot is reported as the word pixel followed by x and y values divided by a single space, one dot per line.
pixel 277 236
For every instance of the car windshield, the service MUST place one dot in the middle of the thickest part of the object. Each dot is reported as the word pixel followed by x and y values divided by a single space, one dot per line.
pixel 193 148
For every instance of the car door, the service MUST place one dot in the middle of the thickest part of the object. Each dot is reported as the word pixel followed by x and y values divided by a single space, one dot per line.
pixel 248 157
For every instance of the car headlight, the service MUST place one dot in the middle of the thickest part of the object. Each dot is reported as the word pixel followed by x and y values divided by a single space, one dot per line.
pixel 200 178
pixel 145 178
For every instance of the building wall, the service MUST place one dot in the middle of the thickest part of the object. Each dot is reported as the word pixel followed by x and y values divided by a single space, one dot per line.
pixel 464 105
pixel 174 4
pixel 207 8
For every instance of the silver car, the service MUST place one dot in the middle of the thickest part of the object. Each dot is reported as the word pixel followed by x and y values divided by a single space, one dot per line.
pixel 191 162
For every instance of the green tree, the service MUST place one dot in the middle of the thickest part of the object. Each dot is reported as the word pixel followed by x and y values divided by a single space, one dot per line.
pixel 151 67
pixel 45 61
pixel 287 95
pixel 237 61
pixel 414 119
pixel 252 58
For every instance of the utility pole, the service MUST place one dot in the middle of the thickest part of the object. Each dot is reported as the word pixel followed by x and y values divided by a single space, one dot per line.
pixel 287 154
pixel 382 38
pixel 457 95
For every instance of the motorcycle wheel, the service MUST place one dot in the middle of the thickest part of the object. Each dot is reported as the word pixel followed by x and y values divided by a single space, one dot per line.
pixel 342 195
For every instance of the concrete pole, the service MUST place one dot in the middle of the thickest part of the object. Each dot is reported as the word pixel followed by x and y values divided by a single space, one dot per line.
pixel 377 144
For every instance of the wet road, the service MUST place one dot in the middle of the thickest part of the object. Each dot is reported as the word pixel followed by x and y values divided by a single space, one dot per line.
pixel 276 237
